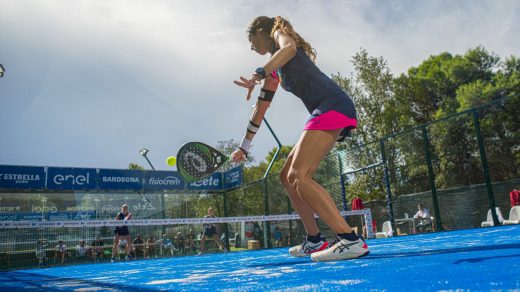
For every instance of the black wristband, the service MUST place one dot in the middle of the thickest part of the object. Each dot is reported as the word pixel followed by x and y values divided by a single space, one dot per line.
pixel 266 95
pixel 245 152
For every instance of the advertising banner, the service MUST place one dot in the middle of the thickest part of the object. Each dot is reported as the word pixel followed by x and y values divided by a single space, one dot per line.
pixel 120 179
pixel 28 178
pixel 22 177
pixel 60 178
pixel 163 180
pixel 212 183
pixel 233 178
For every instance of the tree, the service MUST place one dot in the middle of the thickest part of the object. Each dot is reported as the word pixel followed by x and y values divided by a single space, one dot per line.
pixel 250 199
pixel 440 86
pixel 255 173
pixel 227 147
pixel 371 88
pixel 135 166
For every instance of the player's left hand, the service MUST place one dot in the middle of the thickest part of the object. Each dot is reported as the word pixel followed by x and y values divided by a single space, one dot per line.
pixel 247 83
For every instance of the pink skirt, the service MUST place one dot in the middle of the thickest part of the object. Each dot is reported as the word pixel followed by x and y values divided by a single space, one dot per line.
pixel 331 120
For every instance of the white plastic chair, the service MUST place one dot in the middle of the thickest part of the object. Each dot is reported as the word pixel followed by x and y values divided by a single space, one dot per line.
pixel 489 219
pixel 387 230
pixel 514 216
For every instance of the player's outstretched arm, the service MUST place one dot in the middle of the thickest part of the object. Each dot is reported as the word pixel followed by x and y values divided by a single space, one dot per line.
pixel 262 104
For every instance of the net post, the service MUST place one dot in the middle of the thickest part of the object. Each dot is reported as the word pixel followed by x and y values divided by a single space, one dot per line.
pixel 367 214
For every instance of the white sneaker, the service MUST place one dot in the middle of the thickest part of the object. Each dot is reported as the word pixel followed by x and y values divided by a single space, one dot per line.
pixel 307 248
pixel 342 250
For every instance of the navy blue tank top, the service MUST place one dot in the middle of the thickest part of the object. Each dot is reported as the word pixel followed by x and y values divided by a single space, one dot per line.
pixel 120 216
pixel 318 92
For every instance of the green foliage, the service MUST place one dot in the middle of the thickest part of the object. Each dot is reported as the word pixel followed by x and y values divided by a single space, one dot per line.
pixel 227 147
pixel 135 166
pixel 209 200
pixel 250 200
pixel 371 89
pixel 257 172
pixel 442 85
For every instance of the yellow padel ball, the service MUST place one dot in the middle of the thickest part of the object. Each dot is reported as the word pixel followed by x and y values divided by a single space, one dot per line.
pixel 171 160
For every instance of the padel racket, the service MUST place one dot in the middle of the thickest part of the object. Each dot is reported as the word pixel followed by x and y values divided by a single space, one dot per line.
pixel 196 161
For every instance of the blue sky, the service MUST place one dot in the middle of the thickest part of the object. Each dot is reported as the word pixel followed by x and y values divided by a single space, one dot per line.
pixel 90 82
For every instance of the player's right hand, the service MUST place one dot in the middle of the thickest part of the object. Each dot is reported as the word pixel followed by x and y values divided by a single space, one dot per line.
pixel 238 156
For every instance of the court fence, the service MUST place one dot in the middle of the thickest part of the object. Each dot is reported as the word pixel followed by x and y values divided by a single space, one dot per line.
pixel 460 167
pixel 463 168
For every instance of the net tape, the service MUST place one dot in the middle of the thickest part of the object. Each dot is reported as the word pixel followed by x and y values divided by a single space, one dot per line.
pixel 177 221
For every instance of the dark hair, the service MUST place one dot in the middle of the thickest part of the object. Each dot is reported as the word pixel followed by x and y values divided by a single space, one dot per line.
pixel 263 22
pixel 271 24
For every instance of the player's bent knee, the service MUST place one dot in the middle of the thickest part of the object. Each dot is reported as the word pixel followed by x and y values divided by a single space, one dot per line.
pixel 295 177
pixel 284 179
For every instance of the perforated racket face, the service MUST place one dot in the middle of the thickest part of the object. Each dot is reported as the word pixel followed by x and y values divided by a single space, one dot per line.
pixel 196 161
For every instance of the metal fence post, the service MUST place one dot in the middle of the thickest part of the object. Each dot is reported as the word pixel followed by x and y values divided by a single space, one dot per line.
pixel 485 167
pixel 342 182
pixel 267 227
pixel 226 229
pixel 387 184
pixel 431 176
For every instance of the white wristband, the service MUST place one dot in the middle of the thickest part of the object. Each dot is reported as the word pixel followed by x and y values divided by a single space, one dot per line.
pixel 245 144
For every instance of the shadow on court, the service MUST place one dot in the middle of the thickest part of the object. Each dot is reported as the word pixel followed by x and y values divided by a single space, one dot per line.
pixel 15 281
pixel 482 259
pixel 428 252
pixel 282 264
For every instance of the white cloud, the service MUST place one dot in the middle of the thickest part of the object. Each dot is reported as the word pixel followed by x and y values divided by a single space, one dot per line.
pixel 89 83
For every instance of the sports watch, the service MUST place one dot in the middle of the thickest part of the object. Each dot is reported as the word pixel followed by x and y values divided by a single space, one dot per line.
pixel 260 71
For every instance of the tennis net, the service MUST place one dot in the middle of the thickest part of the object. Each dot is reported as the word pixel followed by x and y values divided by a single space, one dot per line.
pixel 25 244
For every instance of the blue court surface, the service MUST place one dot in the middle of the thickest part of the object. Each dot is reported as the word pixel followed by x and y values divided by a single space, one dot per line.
pixel 486 259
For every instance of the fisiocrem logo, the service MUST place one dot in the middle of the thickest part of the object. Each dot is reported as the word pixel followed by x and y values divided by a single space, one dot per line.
pixel 165 181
